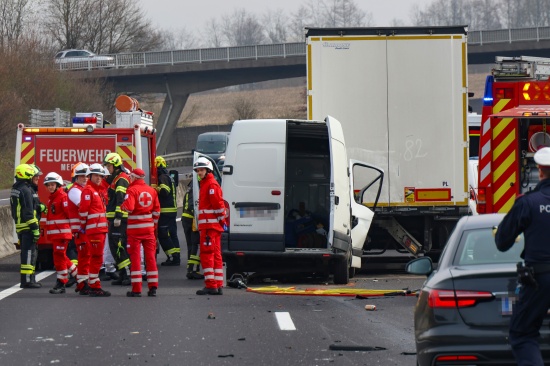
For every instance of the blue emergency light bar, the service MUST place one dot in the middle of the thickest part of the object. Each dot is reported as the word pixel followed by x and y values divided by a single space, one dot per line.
pixel 488 95
pixel 82 120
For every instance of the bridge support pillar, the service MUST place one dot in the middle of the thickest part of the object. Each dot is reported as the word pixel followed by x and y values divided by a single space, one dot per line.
pixel 168 119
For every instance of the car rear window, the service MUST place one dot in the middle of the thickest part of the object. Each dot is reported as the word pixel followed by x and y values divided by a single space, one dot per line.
pixel 478 247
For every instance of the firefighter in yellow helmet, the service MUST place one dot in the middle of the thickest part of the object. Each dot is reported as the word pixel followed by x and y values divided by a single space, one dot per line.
pixel 167 228
pixel 23 212
pixel 118 183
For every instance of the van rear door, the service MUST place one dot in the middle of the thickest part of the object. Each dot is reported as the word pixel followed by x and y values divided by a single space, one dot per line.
pixel 340 209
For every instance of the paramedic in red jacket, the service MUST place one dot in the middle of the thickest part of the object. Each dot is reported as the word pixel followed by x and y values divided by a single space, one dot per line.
pixel 58 230
pixel 143 207
pixel 75 194
pixel 93 223
pixel 211 222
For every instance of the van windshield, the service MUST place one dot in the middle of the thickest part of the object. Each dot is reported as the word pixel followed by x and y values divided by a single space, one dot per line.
pixel 211 147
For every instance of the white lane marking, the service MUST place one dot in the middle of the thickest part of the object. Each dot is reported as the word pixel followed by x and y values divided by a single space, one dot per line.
pixel 15 288
pixel 285 321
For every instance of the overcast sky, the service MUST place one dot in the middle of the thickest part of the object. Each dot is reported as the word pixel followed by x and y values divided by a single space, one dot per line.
pixel 193 14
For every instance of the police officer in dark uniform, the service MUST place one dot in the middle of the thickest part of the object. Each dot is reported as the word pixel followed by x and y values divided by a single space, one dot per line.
pixel 530 215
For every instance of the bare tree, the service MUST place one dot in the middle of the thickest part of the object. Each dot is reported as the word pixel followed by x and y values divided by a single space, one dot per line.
pixel 275 26
pixel 13 14
pixel 329 13
pixel 242 28
pixel 103 26
pixel 213 34
pixel 66 21
pixel 179 39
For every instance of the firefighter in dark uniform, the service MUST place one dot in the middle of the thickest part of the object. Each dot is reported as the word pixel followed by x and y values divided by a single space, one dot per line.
pixel 23 211
pixel 167 228
pixel 530 215
pixel 192 236
pixel 118 220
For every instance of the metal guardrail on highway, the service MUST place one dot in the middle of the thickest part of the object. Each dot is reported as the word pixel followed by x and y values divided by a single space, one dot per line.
pixel 144 59
pixel 179 159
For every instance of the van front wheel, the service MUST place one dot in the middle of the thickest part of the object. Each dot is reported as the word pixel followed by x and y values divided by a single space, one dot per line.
pixel 341 273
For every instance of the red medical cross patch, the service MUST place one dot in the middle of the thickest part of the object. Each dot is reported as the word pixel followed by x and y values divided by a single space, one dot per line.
pixel 145 199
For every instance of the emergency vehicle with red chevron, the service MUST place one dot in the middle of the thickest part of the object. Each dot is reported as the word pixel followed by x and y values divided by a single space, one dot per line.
pixel 514 125
pixel 56 144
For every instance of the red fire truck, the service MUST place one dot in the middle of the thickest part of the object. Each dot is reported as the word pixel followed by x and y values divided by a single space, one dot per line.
pixel 62 144
pixel 516 106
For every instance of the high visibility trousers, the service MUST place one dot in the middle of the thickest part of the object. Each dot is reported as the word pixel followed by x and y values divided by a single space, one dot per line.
pixel 29 255
pixel 149 251
pixel 168 234
pixel 211 258
pixel 61 261
pixel 83 250
pixel 117 243
pixel 192 240
pixel 96 244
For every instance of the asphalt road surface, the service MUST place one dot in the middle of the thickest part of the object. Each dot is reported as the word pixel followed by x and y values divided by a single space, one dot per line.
pixel 179 327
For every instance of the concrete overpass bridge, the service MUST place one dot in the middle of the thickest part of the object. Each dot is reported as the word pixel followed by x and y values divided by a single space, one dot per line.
pixel 180 73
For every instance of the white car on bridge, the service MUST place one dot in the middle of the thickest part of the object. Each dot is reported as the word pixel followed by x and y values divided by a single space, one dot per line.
pixel 82 59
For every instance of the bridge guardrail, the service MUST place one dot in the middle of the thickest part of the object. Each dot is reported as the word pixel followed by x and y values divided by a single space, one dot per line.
pixel 179 159
pixel 144 59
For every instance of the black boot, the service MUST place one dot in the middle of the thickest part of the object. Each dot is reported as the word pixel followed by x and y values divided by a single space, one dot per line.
pixel 29 284
pixel 133 294
pixel 59 288
pixel 176 259
pixel 85 290
pixel 170 262
pixel 208 291
pixel 99 292
pixel 123 278
pixel 152 292
pixel 33 280
pixel 194 276
pixel 70 282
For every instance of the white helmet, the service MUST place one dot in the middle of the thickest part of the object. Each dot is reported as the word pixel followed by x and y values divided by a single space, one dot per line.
pixel 53 177
pixel 203 162
pixel 95 169
pixel 81 169
pixel 542 157
pixel 106 171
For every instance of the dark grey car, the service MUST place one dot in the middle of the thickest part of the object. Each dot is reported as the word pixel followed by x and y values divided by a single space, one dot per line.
pixel 464 307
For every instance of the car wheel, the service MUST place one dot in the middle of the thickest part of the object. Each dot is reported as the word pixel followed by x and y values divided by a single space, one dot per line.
pixel 351 271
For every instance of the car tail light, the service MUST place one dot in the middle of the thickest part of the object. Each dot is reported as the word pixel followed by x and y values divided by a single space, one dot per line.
pixel 481 200
pixel 456 299
pixel 448 358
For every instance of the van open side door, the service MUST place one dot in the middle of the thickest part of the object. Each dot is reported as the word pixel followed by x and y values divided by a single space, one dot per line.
pixel 363 178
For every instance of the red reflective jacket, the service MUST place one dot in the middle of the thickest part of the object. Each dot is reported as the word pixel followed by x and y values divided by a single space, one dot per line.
pixel 211 205
pixel 57 219
pixel 92 210
pixel 143 207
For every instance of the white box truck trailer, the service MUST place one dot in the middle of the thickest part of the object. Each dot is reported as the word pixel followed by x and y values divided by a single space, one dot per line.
pixel 401 96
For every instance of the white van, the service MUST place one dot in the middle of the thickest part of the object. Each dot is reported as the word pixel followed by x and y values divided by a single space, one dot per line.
pixel 292 206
